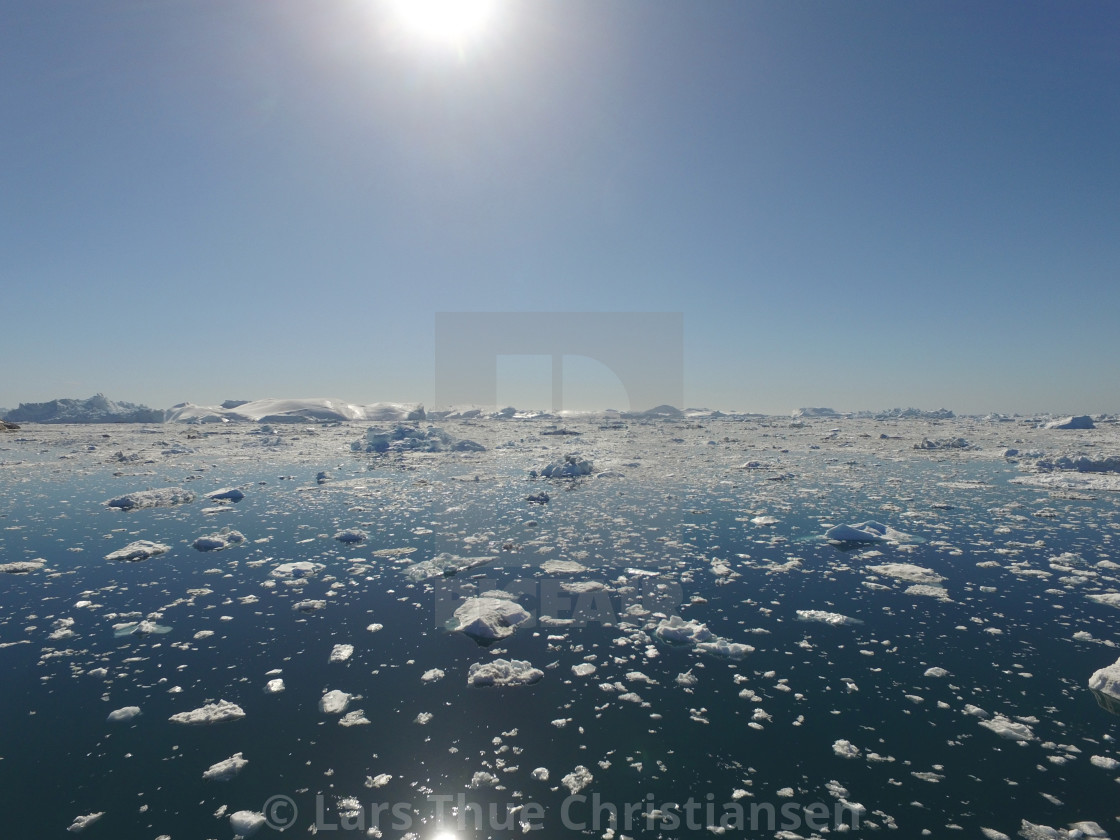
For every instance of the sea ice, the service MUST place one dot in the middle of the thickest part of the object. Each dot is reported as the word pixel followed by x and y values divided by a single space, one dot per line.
pixel 245 823
pixel 229 494
pixel 488 618
pixel 571 466
pixel 274 686
pixel 846 749
pixel 1010 729
pixel 340 653
pixel 22 567
pixel 577 780
pixel 1111 599
pixel 869 531
pixel 835 619
pixel 907 572
pixel 223 771
pixel 1107 680
pixel 84 822
pixel 163 497
pixel 210 713
pixel 219 541
pixel 503 672
pixel 444 565
pixel 296 569
pixel 123 714
pixel 139 550
pixel 351 535
pixel 432 675
pixel 334 702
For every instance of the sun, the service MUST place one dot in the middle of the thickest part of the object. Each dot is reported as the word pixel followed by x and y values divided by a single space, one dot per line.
pixel 449 21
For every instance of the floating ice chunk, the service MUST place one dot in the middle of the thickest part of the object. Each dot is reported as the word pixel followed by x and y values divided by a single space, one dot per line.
pixel 340 653
pixel 503 672
pixel 432 675
pixel 482 779
pixel 229 494
pixel 210 713
pixel 274 686
pixel 1010 729
pixel 908 572
pixel 380 780
pixel 764 520
pixel 1105 685
pixel 835 619
pixel 223 771
pixel 938 592
pixel 354 718
pixel 869 531
pixel 718 646
pixel 845 749
pixel 123 714
pixel 1111 599
pixel 219 541
pixel 1104 762
pixel 334 702
pixel 139 550
pixel 571 466
pixel 992 834
pixel 562 567
pixel 81 823
pixel 22 567
pixel 943 443
pixel 936 672
pixel 163 497
pixel 584 669
pixel 309 605
pixel 445 565
pixel 540 774
pixel 676 630
pixel 351 535
pixel 486 618
pixel 1083 421
pixel 246 823
pixel 296 569
pixel 577 780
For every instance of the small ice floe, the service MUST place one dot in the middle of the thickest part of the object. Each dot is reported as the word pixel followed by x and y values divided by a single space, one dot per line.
pixel 296 569
pixel 488 617
pixel 225 770
pixel 764 520
pixel 845 749
pixel 1012 730
pixel 936 672
pixel 1110 599
pixel 1104 762
pixel 503 673
pixel 908 572
pixel 562 567
pixel 444 565
pixel 340 653
pixel 432 675
pixel 219 541
pixel 354 718
pixel 139 628
pixel 123 714
pixel 351 536
pixel 423 718
pixel 22 567
pixel 571 466
pixel 943 444
pixel 218 712
pixel 274 686
pixel 163 497
pixel 84 822
pixel 674 630
pixel 246 823
pixel 831 618
pixel 1083 421
pixel 334 702
pixel 1105 685
pixel 865 532
pixel 584 669
pixel 378 781
pixel 577 780
pixel 139 550
pixel 540 774
pixel 309 605
pixel 226 494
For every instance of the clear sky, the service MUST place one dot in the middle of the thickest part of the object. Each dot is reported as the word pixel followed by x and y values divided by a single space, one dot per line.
pixel 857 204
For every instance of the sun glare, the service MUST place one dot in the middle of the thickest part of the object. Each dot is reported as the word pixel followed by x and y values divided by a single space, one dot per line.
pixel 449 21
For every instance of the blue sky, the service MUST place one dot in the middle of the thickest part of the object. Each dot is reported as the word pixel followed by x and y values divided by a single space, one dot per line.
pixel 859 204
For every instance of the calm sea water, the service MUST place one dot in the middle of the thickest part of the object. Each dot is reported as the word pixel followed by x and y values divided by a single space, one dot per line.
pixel 1006 639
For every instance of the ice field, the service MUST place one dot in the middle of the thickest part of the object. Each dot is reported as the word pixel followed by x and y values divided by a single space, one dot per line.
pixel 731 623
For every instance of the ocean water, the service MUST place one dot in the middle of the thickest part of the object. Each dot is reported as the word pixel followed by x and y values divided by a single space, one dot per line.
pixel 685 738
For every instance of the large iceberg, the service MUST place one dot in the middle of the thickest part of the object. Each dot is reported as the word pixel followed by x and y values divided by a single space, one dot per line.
pixel 316 410
pixel 1105 685
pixel 489 617
pixel 162 497
pixel 97 409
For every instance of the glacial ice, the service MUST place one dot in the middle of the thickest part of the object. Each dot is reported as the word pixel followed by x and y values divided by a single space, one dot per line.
pixel 124 714
pixel 835 619
pixel 139 550
pixel 210 713
pixel 223 771
pixel 571 466
pixel 334 702
pixel 487 618
pixel 1107 680
pixel 219 541
pixel 503 673
pixel 84 822
pixel 246 823
pixel 340 653
pixel 163 497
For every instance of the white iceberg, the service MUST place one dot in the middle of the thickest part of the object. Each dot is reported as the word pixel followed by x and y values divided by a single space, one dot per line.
pixel 219 541
pixel 834 619
pixel 163 497
pixel 340 653
pixel 139 550
pixel 245 823
pixel 123 714
pixel 210 713
pixel 296 569
pixel 223 771
pixel 335 702
pixel 572 466
pixel 84 822
pixel 1012 730
pixel 907 572
pixel 487 618
pixel 503 673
